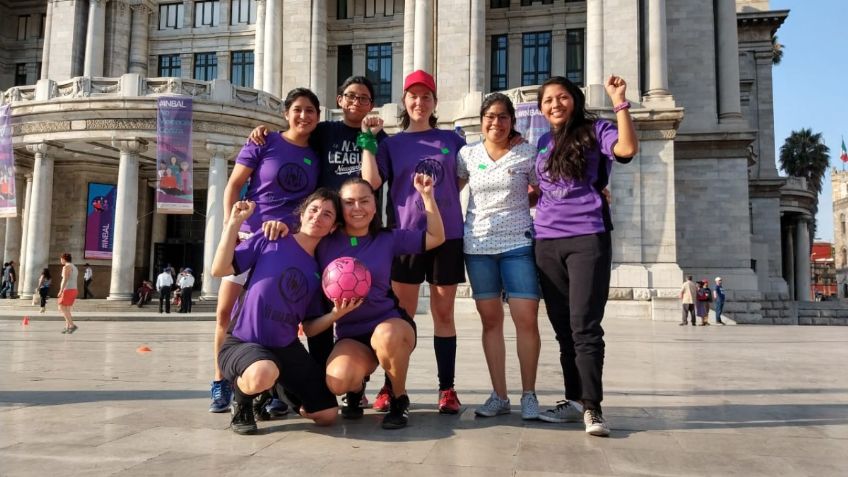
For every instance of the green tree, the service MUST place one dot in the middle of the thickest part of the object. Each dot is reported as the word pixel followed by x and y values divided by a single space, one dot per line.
pixel 803 154
pixel 776 50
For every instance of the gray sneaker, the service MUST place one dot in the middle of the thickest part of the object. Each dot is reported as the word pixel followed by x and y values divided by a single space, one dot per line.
pixel 494 406
pixel 529 406
pixel 565 411
pixel 596 425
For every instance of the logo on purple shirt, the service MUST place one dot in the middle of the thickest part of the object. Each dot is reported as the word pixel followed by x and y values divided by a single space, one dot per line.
pixel 292 178
pixel 293 286
pixel 432 167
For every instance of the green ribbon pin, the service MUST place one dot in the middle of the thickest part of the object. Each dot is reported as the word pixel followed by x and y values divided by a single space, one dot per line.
pixel 543 150
pixel 481 166
pixel 354 242
pixel 445 150
pixel 308 161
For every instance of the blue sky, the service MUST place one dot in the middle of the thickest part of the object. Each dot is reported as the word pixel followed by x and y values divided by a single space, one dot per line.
pixel 809 84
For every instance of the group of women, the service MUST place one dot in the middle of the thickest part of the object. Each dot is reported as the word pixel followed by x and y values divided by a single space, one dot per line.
pixel 274 251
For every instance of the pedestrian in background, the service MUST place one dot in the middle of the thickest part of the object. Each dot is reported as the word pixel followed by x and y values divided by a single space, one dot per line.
pixel 186 284
pixel 164 282
pixel 688 292
pixel 68 291
pixel 702 304
pixel 87 277
pixel 43 287
pixel 9 278
pixel 718 296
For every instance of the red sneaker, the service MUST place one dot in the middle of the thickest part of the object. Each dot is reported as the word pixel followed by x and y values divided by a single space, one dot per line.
pixel 381 402
pixel 448 402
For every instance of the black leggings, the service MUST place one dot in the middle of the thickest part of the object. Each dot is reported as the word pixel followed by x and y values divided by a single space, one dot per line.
pixel 574 273
pixel 43 293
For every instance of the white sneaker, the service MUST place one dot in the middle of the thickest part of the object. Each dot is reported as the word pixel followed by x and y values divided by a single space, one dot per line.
pixel 494 406
pixel 596 425
pixel 529 406
pixel 565 411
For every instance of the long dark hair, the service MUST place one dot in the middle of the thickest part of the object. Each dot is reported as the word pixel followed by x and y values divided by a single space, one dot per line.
pixel 46 273
pixel 375 225
pixel 572 140
pixel 323 194
pixel 404 115
pixel 495 98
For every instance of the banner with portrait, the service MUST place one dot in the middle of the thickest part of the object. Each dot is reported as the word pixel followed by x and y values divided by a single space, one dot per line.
pixel 530 122
pixel 100 221
pixel 8 200
pixel 174 168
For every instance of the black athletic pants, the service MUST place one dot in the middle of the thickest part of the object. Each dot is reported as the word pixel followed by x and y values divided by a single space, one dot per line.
pixel 574 273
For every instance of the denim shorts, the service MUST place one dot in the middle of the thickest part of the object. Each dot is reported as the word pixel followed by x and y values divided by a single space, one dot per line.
pixel 512 272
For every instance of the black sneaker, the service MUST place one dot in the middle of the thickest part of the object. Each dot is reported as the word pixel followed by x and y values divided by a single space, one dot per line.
pixel 243 421
pixel 259 403
pixel 352 405
pixel 398 414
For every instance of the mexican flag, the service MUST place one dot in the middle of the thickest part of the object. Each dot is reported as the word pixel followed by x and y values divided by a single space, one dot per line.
pixel 844 154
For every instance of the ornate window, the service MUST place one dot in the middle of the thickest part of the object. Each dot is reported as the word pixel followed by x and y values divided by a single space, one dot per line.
pixel 378 69
pixel 23 23
pixel 205 66
pixel 499 62
pixel 171 15
pixel 207 13
pixel 241 68
pixel 575 55
pixel 242 12
pixel 169 65
pixel 536 58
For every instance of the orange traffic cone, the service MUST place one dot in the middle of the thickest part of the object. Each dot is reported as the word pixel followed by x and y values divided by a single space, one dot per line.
pixel 143 349
pixel 25 321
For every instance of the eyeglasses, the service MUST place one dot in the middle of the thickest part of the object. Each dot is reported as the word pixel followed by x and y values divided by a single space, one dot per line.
pixel 355 98
pixel 497 117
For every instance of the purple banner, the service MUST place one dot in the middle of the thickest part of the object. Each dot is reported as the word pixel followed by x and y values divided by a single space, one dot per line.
pixel 174 168
pixel 100 221
pixel 8 202
pixel 530 122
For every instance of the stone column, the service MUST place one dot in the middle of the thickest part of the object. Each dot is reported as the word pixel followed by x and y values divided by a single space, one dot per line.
pixel 126 220
pixel 45 51
pixel 12 244
pixel 318 47
pixel 789 259
pixel 802 260
pixel 358 54
pixel 223 65
pixel 214 214
pixel 477 52
pixel 408 37
pixel 94 38
pixel 514 51
pixel 139 37
pixel 332 75
pixel 558 53
pixel 39 217
pixel 423 46
pixel 24 234
pixel 594 42
pixel 259 45
pixel 729 107
pixel 657 72
pixel 273 51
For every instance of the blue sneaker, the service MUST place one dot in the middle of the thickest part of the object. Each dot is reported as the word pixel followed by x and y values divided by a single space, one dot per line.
pixel 277 409
pixel 221 396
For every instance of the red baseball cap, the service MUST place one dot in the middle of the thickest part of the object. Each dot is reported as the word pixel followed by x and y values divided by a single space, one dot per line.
pixel 420 77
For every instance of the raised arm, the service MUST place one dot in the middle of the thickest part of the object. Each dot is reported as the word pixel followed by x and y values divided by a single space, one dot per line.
pixel 367 142
pixel 628 144
pixel 435 228
pixel 222 264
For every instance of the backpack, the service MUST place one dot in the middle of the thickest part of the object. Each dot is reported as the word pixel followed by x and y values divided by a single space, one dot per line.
pixel 704 294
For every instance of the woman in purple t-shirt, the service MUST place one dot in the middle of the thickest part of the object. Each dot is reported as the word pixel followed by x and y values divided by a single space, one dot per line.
pixel 379 331
pixel 422 148
pixel 262 348
pixel 282 172
pixel 573 246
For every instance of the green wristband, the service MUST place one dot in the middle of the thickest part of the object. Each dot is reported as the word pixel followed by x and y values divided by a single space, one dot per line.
pixel 367 141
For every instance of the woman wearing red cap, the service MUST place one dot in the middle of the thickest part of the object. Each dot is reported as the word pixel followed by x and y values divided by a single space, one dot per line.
pixel 422 148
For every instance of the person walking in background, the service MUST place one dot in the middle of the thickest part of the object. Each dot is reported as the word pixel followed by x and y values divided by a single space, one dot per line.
pixel 9 277
pixel 718 296
pixel 87 277
pixel 44 287
pixel 186 284
pixel 702 305
pixel 164 282
pixel 68 291
pixel 688 292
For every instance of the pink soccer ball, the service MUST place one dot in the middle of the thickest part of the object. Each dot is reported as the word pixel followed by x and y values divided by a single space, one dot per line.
pixel 346 277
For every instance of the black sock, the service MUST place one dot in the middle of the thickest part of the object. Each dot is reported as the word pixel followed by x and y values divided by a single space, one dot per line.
pixel 240 397
pixel 445 347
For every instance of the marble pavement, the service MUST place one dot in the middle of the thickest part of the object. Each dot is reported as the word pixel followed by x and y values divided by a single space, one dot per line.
pixel 734 400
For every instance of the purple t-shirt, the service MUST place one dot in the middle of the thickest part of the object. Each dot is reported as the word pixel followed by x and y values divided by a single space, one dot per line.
pixel 376 252
pixel 282 290
pixel 431 152
pixel 568 207
pixel 283 175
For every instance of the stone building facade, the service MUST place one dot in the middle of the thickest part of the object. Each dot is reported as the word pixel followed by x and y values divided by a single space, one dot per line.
pixel 703 197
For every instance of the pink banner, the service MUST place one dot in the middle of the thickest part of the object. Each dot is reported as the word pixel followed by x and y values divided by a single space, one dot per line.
pixel 174 168
pixel 8 202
